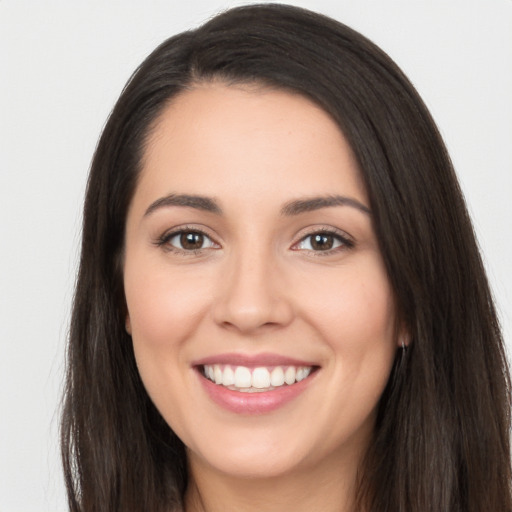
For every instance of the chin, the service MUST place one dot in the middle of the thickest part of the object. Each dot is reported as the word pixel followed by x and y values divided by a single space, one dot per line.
pixel 249 460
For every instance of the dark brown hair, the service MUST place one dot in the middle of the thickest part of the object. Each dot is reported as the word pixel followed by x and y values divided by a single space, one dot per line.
pixel 441 441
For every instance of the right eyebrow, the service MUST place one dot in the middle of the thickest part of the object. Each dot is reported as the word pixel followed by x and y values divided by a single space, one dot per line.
pixel 204 203
pixel 316 203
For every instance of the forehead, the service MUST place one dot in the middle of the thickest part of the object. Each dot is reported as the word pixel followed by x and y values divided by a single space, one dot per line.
pixel 223 140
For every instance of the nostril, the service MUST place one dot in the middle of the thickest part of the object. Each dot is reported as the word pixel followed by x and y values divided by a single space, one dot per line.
pixel 251 296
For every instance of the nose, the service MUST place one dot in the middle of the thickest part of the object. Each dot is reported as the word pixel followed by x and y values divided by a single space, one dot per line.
pixel 252 294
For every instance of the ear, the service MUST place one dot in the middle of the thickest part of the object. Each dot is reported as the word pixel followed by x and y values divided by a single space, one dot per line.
pixel 128 324
pixel 403 338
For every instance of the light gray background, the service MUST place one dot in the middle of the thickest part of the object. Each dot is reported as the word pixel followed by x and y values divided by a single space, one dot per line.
pixel 62 66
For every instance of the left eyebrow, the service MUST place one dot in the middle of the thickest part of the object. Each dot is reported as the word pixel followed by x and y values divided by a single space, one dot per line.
pixel 299 206
pixel 189 201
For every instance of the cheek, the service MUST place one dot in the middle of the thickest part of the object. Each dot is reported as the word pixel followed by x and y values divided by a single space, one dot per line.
pixel 355 307
pixel 163 306
pixel 355 315
pixel 164 309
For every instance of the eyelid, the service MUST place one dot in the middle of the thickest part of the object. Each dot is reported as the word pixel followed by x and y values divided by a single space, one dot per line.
pixel 164 239
pixel 347 241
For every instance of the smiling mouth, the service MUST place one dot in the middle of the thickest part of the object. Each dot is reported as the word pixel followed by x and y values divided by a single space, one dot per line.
pixel 255 380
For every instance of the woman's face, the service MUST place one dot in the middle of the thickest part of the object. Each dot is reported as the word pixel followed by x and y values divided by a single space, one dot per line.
pixel 261 314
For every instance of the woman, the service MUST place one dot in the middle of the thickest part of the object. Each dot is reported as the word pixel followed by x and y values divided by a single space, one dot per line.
pixel 280 302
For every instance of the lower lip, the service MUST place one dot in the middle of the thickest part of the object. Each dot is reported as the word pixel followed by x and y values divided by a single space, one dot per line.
pixel 254 403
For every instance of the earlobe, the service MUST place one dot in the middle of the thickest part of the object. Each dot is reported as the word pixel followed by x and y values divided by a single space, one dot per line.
pixel 128 325
pixel 403 339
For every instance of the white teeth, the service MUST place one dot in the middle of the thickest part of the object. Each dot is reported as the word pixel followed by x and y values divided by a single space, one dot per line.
pixel 277 377
pixel 242 377
pixel 217 373
pixel 302 373
pixel 289 375
pixel 228 378
pixel 261 378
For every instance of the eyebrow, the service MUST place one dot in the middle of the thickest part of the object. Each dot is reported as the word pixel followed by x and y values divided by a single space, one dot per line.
pixel 299 206
pixel 191 201
pixel 292 208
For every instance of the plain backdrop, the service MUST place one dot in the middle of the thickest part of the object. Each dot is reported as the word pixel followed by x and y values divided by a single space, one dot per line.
pixel 62 66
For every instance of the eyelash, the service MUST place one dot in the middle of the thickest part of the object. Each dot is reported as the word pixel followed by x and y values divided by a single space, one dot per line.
pixel 342 238
pixel 164 240
pixel 344 241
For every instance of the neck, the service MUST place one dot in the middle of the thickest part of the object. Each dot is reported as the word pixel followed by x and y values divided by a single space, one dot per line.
pixel 327 487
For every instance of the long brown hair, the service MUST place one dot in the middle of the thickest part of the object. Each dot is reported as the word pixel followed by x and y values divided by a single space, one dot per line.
pixel 441 440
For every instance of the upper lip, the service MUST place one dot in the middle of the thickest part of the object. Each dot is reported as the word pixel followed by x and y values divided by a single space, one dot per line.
pixel 252 360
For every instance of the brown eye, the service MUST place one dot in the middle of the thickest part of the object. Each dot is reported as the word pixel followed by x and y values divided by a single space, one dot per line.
pixel 191 241
pixel 188 241
pixel 322 242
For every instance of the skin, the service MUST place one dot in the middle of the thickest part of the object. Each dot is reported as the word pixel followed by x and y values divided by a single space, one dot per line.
pixel 259 286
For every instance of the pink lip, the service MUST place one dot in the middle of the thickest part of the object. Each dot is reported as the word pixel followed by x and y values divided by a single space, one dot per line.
pixel 252 403
pixel 252 360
